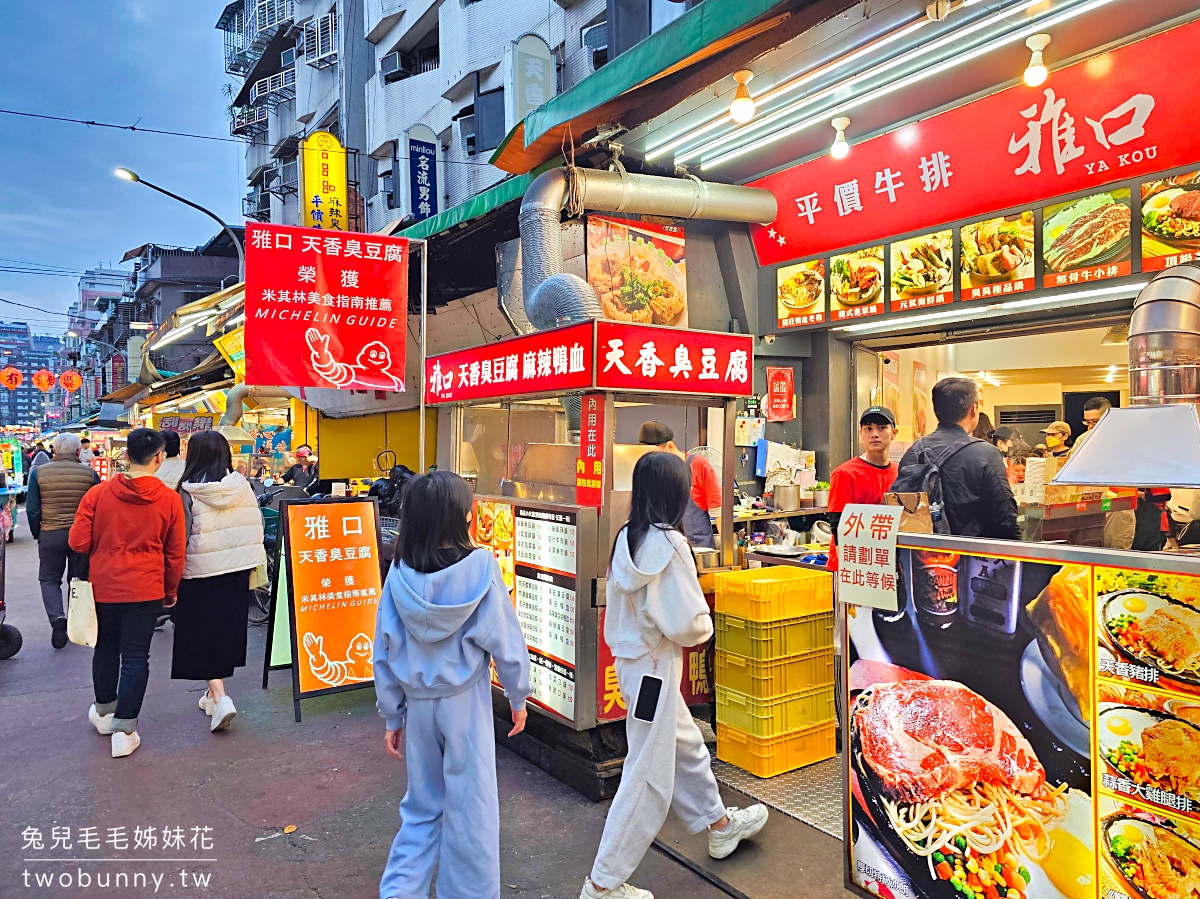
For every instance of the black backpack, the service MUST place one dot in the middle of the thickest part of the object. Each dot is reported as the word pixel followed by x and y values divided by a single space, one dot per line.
pixel 924 476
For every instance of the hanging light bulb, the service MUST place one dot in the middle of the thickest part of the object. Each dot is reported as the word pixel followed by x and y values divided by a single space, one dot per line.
pixel 840 149
pixel 741 110
pixel 1036 72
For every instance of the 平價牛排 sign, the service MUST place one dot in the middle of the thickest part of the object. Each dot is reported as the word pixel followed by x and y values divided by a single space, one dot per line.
pixel 1105 119
pixel 598 354
pixel 325 309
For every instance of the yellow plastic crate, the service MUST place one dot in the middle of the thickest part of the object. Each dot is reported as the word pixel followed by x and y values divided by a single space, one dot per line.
pixel 763 640
pixel 772 594
pixel 768 756
pixel 775 717
pixel 772 679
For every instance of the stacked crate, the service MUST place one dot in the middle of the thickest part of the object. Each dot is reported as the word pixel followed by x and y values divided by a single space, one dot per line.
pixel 776 708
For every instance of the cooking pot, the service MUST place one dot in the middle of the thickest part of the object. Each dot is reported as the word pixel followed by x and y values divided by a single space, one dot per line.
pixel 787 497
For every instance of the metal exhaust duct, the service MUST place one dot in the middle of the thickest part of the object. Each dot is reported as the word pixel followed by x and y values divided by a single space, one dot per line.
pixel 1164 339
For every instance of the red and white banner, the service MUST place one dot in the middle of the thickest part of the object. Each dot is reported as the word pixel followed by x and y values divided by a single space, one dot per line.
pixel 1105 119
pixel 325 309
pixel 781 393
pixel 649 358
pixel 589 467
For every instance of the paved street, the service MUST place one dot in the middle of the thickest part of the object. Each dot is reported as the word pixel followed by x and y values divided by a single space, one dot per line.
pixel 327 776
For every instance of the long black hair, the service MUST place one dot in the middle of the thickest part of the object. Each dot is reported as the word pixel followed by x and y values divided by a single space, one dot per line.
pixel 208 458
pixel 434 533
pixel 662 486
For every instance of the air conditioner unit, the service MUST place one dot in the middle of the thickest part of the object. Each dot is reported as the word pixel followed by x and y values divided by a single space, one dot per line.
pixel 466 133
pixel 396 66
pixel 595 40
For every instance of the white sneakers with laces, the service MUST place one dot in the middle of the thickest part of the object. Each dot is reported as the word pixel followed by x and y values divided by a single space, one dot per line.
pixel 124 744
pixel 624 891
pixel 102 723
pixel 223 714
pixel 743 824
pixel 207 703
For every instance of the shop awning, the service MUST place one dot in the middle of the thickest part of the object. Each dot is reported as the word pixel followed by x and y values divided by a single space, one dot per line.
pixel 124 395
pixel 688 55
pixel 211 313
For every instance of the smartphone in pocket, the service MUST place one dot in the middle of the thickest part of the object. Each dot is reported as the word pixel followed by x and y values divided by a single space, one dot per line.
pixel 647 698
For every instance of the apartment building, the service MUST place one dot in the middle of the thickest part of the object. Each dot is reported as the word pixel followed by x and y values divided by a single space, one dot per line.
pixel 99 290
pixel 27 352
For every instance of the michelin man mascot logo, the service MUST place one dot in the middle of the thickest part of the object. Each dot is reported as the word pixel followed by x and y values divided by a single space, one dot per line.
pixel 355 667
pixel 372 370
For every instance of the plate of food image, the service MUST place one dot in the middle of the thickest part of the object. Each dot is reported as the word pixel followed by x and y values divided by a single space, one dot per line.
pixel 485 517
pixel 1090 231
pixel 1155 630
pixel 961 800
pixel 922 267
pixel 997 250
pixel 1151 857
pixel 503 524
pixel 1151 749
pixel 637 282
pixel 1173 216
pixel 857 279
pixel 802 291
pixel 504 558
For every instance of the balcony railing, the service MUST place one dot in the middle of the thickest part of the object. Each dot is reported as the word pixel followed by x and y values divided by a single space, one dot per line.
pixel 248 122
pixel 257 205
pixel 275 89
pixel 321 41
pixel 282 178
pixel 249 29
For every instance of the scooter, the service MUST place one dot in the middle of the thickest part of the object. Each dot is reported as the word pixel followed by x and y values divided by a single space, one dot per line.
pixel 10 637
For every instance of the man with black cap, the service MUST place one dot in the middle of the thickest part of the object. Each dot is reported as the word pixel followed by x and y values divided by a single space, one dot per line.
pixel 865 478
pixel 706 486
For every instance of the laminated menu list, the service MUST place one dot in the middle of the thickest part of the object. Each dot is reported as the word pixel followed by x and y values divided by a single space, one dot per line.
pixel 545 600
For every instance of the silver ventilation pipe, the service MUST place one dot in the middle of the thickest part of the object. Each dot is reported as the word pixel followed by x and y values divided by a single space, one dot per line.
pixel 235 400
pixel 1164 339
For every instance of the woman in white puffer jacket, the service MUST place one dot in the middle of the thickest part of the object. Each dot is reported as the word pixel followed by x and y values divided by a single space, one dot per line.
pixel 225 543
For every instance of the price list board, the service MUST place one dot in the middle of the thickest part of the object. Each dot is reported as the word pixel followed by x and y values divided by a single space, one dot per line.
pixel 544 594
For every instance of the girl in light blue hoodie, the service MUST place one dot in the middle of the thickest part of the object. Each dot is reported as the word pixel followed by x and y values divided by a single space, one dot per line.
pixel 444 615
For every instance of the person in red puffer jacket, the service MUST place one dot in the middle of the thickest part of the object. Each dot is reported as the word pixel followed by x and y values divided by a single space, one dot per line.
pixel 132 530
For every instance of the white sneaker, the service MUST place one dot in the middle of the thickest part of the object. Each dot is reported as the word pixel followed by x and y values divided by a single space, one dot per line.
pixel 743 824
pixel 624 891
pixel 124 744
pixel 207 703
pixel 223 714
pixel 102 723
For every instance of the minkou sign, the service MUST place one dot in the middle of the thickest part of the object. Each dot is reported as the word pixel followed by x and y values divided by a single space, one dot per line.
pixel 1112 117
pixel 596 355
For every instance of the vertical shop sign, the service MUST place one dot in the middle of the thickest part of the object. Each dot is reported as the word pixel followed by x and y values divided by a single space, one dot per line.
pixel 326 190
pixel 866 545
pixel 325 310
pixel 102 465
pixel 232 347
pixel 781 393
pixel 589 467
pixel 422 172
pixel 335 586
pixel 532 77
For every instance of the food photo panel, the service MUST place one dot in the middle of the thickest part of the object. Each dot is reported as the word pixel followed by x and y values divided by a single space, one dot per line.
pixel 856 284
pixel 922 272
pixel 1170 221
pixel 996 257
pixel 1146 853
pixel 800 294
pixel 974 780
pixel 638 271
pixel 1087 239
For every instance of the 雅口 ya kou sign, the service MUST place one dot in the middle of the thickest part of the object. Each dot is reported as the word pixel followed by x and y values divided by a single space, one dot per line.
pixel 325 309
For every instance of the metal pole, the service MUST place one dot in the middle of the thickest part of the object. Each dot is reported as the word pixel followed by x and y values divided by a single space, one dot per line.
pixel 237 244
pixel 421 374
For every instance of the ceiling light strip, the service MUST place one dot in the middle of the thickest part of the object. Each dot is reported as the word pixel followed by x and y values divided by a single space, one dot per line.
pixel 908 81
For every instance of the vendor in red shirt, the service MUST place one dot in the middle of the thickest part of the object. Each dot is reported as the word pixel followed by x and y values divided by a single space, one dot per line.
pixel 865 478
pixel 706 486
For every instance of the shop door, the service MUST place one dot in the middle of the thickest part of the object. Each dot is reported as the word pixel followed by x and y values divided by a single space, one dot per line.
pixel 867 375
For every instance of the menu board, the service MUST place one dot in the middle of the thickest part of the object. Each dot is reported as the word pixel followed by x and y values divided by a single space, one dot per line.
pixel 637 270
pixel 1087 239
pixel 800 294
pixel 536 551
pixel 1170 221
pixel 1029 726
pixel 922 272
pixel 856 284
pixel 996 257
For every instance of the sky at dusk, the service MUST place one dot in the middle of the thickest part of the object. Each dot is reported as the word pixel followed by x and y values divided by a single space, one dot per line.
pixel 118 61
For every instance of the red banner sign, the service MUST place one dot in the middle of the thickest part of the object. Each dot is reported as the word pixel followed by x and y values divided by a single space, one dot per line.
pixel 1105 119
pixel 781 393
pixel 324 309
pixel 544 362
pixel 648 358
pixel 589 467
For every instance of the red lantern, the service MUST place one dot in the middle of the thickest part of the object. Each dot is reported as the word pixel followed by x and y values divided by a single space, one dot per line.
pixel 11 377
pixel 44 380
pixel 70 380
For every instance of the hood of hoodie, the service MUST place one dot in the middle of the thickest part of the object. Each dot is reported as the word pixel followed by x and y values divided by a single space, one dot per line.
pixel 652 557
pixel 230 491
pixel 432 605
pixel 140 491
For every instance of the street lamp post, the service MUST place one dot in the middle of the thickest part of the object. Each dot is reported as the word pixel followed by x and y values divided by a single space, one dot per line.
pixel 133 176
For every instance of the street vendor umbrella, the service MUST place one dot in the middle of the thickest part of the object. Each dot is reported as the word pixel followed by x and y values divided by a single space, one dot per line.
pixel 44 380
pixel 70 380
pixel 11 377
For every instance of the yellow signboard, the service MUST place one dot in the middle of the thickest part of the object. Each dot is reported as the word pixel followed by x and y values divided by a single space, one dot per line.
pixel 325 192
pixel 233 347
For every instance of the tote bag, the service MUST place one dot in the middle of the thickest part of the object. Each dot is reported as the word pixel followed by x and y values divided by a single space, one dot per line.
pixel 81 614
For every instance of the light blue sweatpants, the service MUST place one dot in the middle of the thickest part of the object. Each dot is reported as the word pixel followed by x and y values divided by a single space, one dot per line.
pixel 451 813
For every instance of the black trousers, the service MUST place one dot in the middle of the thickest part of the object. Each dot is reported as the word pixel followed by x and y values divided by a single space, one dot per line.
pixel 121 660
pixel 55 557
